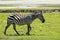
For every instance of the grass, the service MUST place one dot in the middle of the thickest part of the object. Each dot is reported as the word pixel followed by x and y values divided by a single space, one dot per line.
pixel 50 30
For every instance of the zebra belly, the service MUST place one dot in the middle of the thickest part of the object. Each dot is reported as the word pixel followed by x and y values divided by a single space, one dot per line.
pixel 24 22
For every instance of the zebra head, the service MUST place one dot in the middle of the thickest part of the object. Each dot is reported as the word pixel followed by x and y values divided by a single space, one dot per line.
pixel 38 14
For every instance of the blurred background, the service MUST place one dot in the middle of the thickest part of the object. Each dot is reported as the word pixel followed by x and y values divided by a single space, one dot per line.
pixel 29 3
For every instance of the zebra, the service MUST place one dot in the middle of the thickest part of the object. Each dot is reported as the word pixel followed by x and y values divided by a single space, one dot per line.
pixel 18 19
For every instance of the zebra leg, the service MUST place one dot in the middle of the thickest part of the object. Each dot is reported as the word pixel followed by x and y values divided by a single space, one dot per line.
pixel 6 28
pixel 14 27
pixel 29 28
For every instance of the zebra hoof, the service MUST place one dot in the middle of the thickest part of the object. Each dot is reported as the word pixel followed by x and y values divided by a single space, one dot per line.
pixel 18 34
pixel 27 33
pixel 4 33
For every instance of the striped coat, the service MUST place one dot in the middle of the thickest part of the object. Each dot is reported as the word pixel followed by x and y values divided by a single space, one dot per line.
pixel 20 19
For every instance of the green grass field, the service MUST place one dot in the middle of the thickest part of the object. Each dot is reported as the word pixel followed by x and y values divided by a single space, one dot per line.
pixel 50 30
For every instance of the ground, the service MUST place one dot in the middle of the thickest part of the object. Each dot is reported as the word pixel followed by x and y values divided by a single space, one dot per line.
pixel 50 30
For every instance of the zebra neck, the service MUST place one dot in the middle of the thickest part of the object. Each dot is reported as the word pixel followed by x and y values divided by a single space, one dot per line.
pixel 33 17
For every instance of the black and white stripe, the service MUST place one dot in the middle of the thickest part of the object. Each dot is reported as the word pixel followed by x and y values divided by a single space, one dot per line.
pixel 20 19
